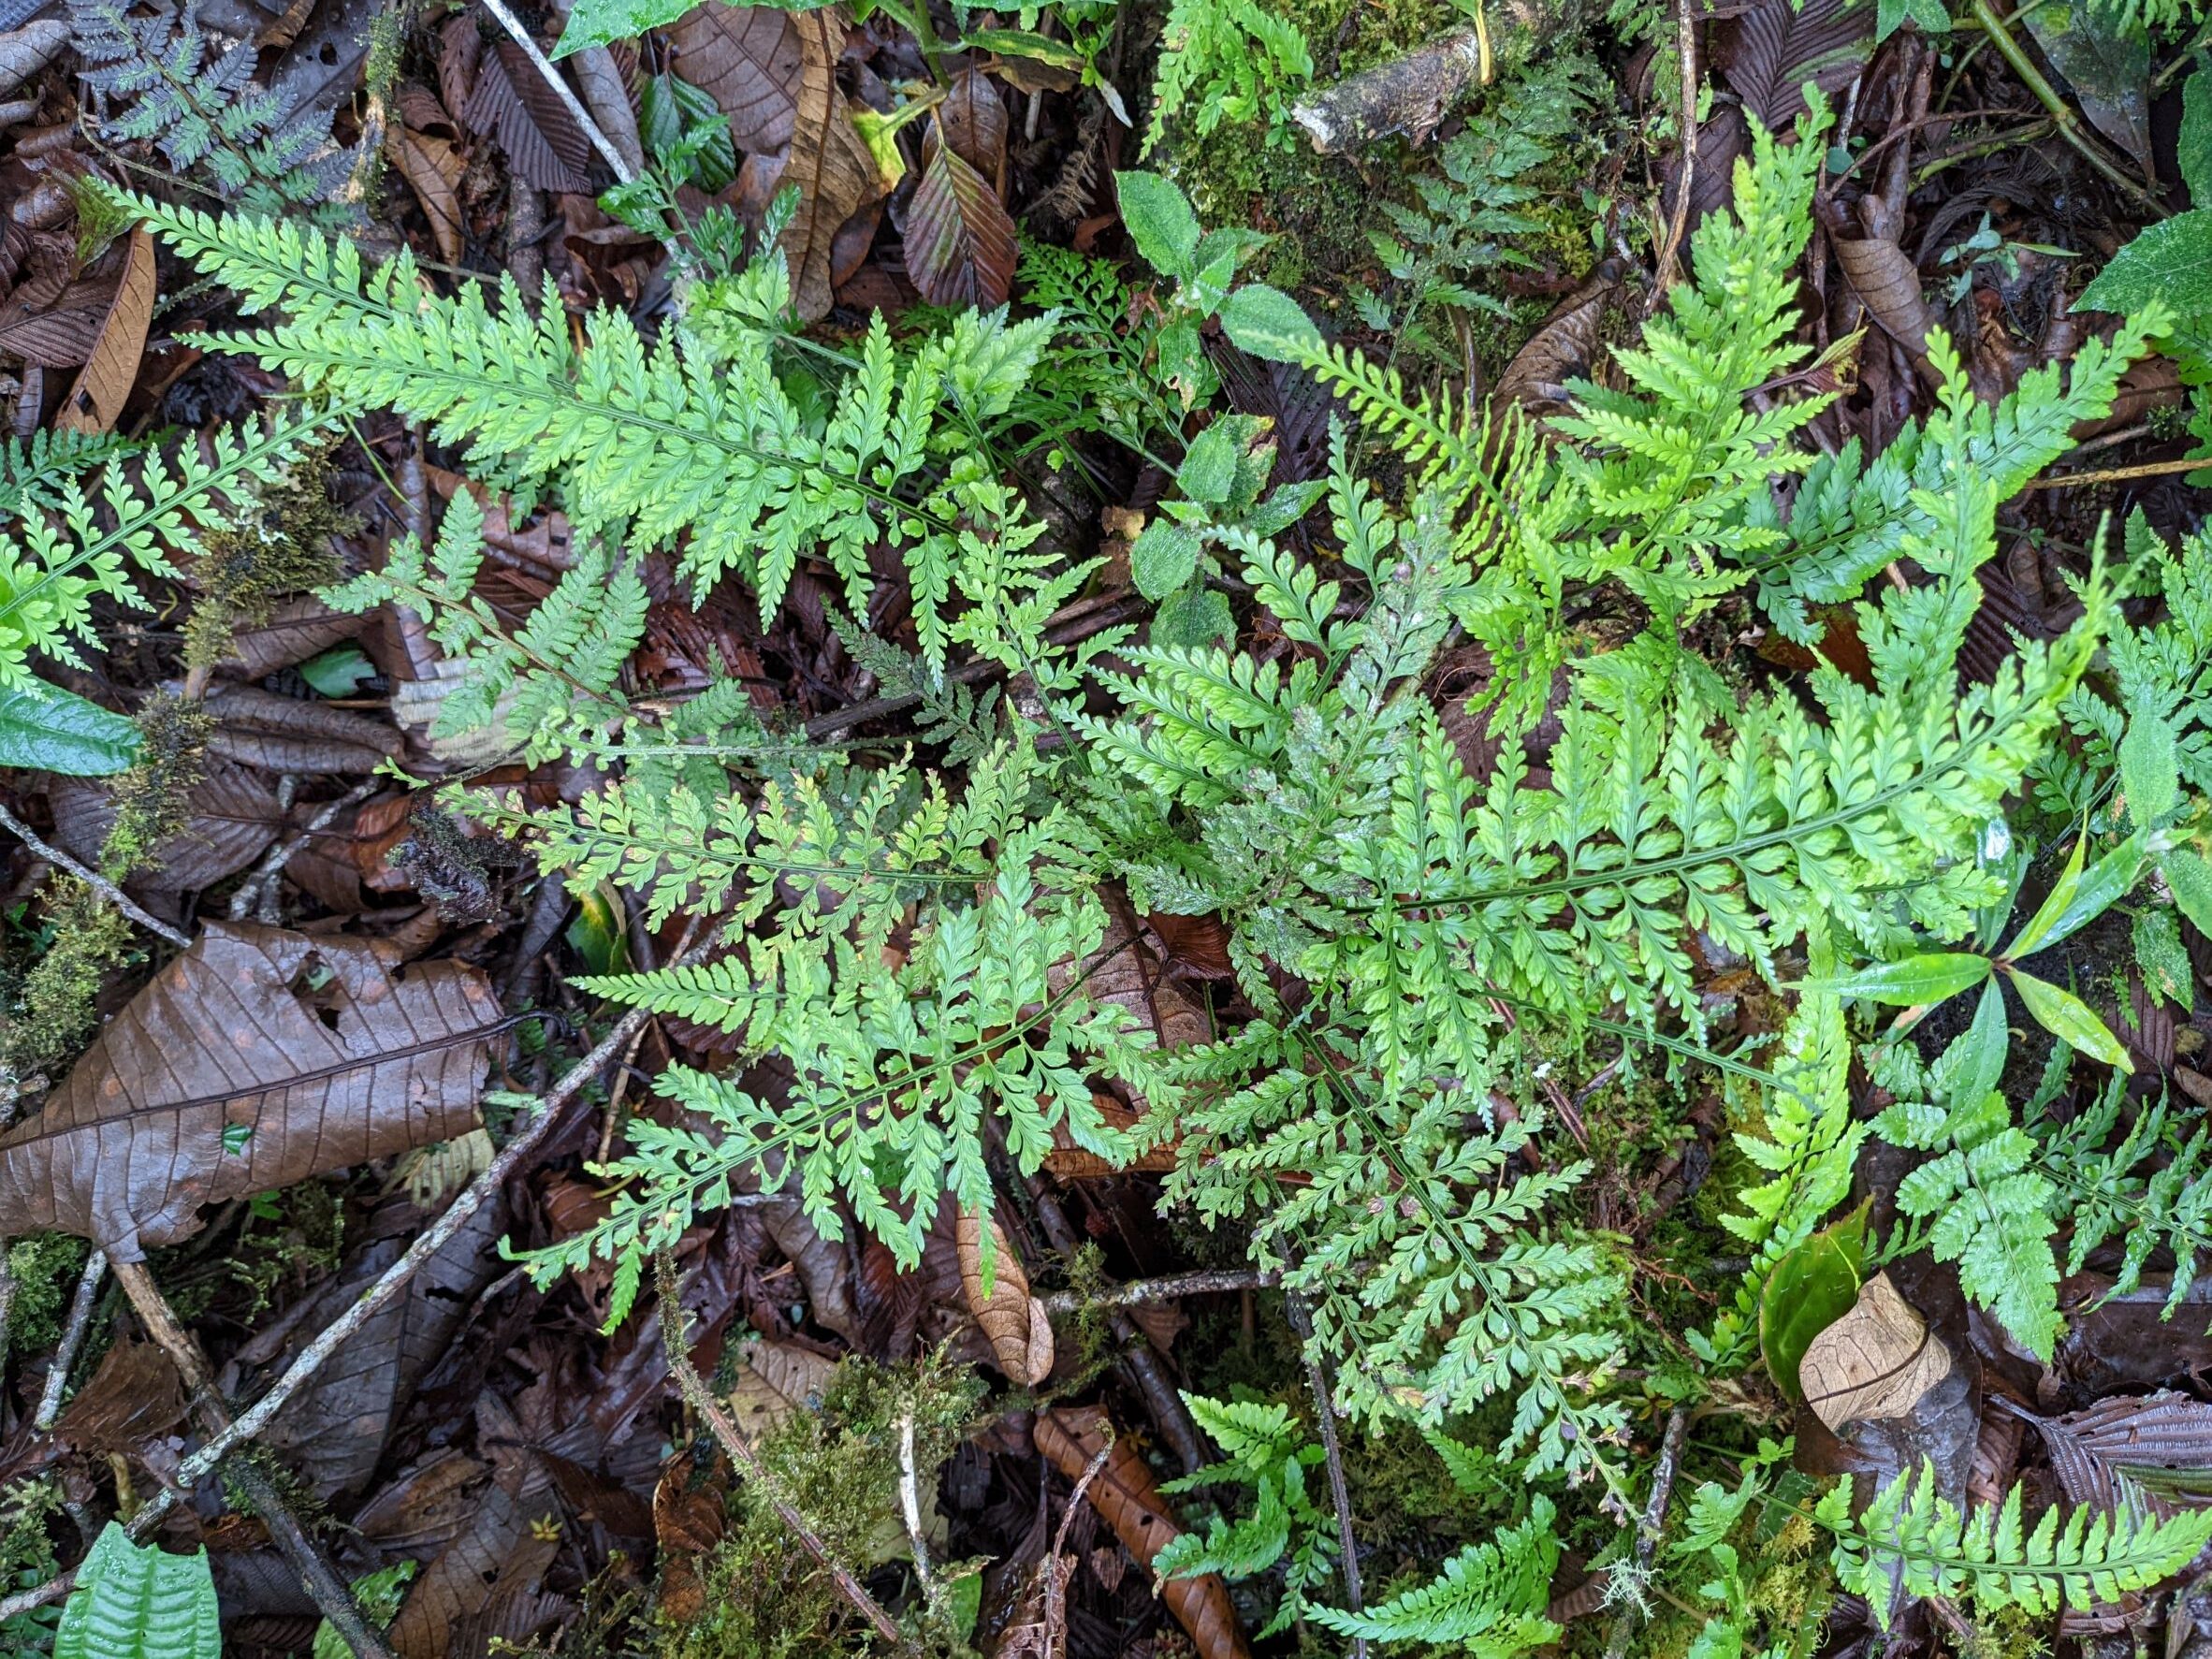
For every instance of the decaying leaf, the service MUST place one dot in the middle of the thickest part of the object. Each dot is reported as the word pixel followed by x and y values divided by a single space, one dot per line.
pixel 1129 1500
pixel 26 50
pixel 973 120
pixel 2106 63
pixel 232 815
pixel 2101 1454
pixel 829 162
pixel 95 402
pixel 1876 1361
pixel 749 58
pixel 432 168
pixel 1021 1335
pixel 961 245
pixel 1887 284
pixel 777 1379
pixel 259 728
pixel 1780 45
pixel 258 1059
pixel 1565 346
pixel 512 103
pixel 294 630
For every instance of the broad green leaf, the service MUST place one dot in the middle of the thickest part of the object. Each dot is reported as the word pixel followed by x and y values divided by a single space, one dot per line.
pixel 1268 324
pixel 1164 558
pixel 339 671
pixel 2168 265
pixel 2079 898
pixel 1928 15
pixel 44 728
pixel 1022 43
pixel 1194 616
pixel 2106 65
pixel 2071 1020
pixel 1909 982
pixel 1811 1288
pixel 2189 878
pixel 601 22
pixel 1209 469
pixel 2195 144
pixel 1982 1050
pixel 137 1602
pixel 1159 222
pixel 599 931
pixel 2150 766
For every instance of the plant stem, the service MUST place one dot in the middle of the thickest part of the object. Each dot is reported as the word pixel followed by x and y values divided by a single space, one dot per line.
pixel 2121 475
pixel 2061 112
pixel 92 879
pixel 1302 1325
pixel 574 105
pixel 1212 1281
pixel 64 1357
pixel 1654 1521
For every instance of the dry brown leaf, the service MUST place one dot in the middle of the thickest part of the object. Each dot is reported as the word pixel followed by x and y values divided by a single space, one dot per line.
pixel 1781 45
pixel 1068 1161
pixel 1020 1334
pixel 26 50
pixel 135 1395
pixel 432 168
pixel 296 629
pixel 308 1047
pixel 497 1544
pixel 233 816
pixel 512 103
pixel 778 1379
pixel 279 734
pixel 748 59
pixel 1886 283
pixel 95 402
pixel 55 329
pixel 829 162
pixel 1565 347
pixel 1876 1361
pixel 972 118
pixel 960 244
pixel 1129 1500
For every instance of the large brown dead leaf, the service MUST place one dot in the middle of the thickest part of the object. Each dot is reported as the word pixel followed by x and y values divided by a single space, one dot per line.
pixel 829 162
pixel 512 103
pixel 432 168
pixel 960 239
pixel 279 734
pixel 1014 1321
pixel 95 402
pixel 1129 1500
pixel 2099 1454
pixel 233 816
pixel 747 57
pixel 310 1046
pixel 1780 45
pixel 1877 1361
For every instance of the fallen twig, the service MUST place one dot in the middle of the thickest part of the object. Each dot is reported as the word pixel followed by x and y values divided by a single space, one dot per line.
pixel 332 1596
pixel 81 1312
pixel 1653 1522
pixel 733 1441
pixel 1055 1588
pixel 92 879
pixel 1301 1325
pixel 1211 1281
pixel 574 105
pixel 1685 45
pixel 910 1499
pixel 2164 468
pixel 249 894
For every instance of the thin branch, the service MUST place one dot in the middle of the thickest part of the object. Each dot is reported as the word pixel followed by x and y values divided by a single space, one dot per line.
pixel 1685 45
pixel 2164 468
pixel 1301 1325
pixel 1055 1590
pixel 92 879
pixel 1653 1522
pixel 600 141
pixel 332 1596
pixel 249 893
pixel 1140 1292
pixel 910 1498
pixel 733 1441
pixel 65 1358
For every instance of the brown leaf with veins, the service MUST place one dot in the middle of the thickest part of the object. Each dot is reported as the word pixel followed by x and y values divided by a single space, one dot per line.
pixel 1129 1500
pixel 961 246
pixel 432 168
pixel 829 162
pixel 1875 1363
pixel 748 58
pixel 1013 1320
pixel 95 402
pixel 972 118
pixel 512 103
pixel 311 1047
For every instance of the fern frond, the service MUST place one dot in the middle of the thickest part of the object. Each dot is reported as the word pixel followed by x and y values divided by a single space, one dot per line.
pixel 1489 1597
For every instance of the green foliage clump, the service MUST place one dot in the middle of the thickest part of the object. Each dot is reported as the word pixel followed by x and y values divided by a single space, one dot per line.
pixel 837 1463
pixel 1268 1452
pixel 1227 59
pixel 56 1008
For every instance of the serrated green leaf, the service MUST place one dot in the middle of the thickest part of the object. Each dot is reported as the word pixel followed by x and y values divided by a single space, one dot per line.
pixel 1909 982
pixel 44 728
pixel 2189 878
pixel 2169 264
pixel 1163 558
pixel 1268 324
pixel 2194 147
pixel 1158 219
pixel 1209 469
pixel 2150 766
pixel 2071 1020
pixel 601 22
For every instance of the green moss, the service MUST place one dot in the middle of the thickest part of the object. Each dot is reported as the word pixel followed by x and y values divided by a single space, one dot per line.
pixel 46 1267
pixel 281 546
pixel 153 799
pixel 839 1465
pixel 57 1005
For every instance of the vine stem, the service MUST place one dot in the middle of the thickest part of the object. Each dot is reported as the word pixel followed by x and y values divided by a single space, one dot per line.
pixel 2164 468
pixel 733 1441
pixel 1685 45
pixel 2061 112
pixel 92 879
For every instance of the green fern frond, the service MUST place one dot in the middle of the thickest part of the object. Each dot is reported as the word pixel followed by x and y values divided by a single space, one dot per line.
pixel 1490 1596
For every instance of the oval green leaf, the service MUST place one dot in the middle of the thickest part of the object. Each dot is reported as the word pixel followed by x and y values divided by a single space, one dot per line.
pixel 2071 1020
pixel 44 728
pixel 1810 1289
pixel 1909 982
pixel 1159 221
pixel 1268 324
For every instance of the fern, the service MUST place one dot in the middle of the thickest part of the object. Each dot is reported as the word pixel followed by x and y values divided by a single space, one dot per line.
pixel 263 153
pixel 1267 1452
pixel 549 686
pixel 137 1602
pixel 1229 60
pixel 692 441
pixel 1490 1597
pixel 1912 1538
pixel 74 547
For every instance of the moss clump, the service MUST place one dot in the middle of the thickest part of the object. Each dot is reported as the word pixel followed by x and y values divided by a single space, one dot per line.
pixel 281 546
pixel 153 800
pixel 760 1596
pixel 58 1006
pixel 45 1267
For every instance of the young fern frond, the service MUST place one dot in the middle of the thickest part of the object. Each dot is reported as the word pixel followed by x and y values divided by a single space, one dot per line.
pixel 2152 1190
pixel 680 440
pixel 58 558
pixel 1912 1538
pixel 1489 1598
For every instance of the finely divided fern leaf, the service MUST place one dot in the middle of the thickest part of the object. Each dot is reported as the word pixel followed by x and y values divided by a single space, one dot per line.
pixel 1490 1597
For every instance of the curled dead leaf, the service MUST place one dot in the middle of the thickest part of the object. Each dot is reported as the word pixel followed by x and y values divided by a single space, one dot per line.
pixel 432 168
pixel 830 162
pixel 1878 1361
pixel 1129 1500
pixel 1883 277
pixel 1020 1334
pixel 102 386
